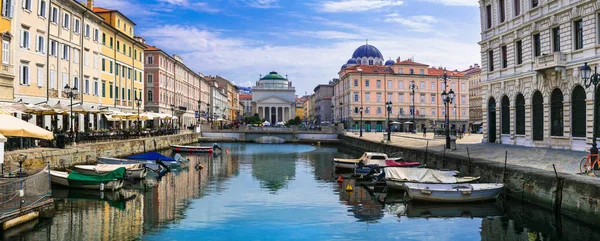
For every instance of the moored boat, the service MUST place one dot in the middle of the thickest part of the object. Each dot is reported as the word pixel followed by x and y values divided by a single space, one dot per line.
pixel 119 161
pixel 136 171
pixel 396 177
pixel 373 158
pixel 155 156
pixel 453 193
pixel 206 149
pixel 110 181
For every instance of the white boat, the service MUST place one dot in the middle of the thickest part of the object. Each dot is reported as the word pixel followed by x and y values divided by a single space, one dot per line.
pixel 135 171
pixel 61 178
pixel 453 193
pixel 369 158
pixel 396 177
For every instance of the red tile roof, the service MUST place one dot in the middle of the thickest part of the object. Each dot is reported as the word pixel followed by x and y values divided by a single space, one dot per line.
pixel 245 97
pixel 409 62
pixel 102 10
pixel 440 72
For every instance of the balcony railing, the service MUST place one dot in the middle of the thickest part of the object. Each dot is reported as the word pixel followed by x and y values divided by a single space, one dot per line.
pixel 550 61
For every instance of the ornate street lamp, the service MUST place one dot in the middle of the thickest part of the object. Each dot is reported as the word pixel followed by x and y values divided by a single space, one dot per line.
pixel 360 124
pixel 71 93
pixel 590 79
pixel 447 99
pixel 138 102
pixel 388 105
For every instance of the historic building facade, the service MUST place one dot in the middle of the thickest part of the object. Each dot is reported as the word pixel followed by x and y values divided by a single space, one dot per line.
pixel 323 104
pixel 365 82
pixel 233 99
pixel 7 74
pixel 273 98
pixel 531 53
pixel 473 75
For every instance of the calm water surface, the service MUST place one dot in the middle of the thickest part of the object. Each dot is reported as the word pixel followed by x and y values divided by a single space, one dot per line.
pixel 280 192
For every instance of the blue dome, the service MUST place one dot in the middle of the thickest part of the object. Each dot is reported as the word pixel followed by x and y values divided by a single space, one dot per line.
pixel 367 51
pixel 351 61
pixel 389 62
pixel 343 67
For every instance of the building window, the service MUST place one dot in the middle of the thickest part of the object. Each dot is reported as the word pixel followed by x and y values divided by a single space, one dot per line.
pixel 65 54
pixel 118 46
pixel 367 110
pixel 52 79
pixel 502 10
pixel 422 98
pixel 42 9
pixel 149 95
pixel 578 34
pixel 389 84
pixel 24 39
pixel 103 89
pixel 87 31
pixel 150 60
pixel 389 97
pixel 367 96
pixel 95 87
pixel 75 55
pixel 27 5
pixel 399 70
pixel 7 8
pixel 578 112
pixel 378 110
pixel 66 21
pixel 504 56
pixel 401 98
pixel 432 85
pixel 488 16
pixel 534 3
pixel 412 71
pixel 537 45
pixel 519 50
pixel 400 84
pixel 86 56
pixel 110 42
pixel 432 98
pixel 520 115
pixel 355 96
pixel 422 85
pixel 433 112
pixel 490 61
pixel 505 122
pixel 54 15
pixel 462 86
pixel 366 83
pixel 517 5
pixel 86 85
pixel 556 113
pixel 40 76
pixel 422 71
pixel 378 83
pixel 378 97
pixel 24 74
pixel 96 35
pixel 556 39
pixel 76 82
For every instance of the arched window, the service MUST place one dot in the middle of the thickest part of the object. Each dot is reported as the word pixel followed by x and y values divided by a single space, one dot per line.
pixel 578 112
pixel 505 115
pixel 492 120
pixel 537 110
pixel 149 95
pixel 520 114
pixel 556 113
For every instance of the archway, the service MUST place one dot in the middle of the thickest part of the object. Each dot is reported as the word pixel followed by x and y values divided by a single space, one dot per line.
pixel 505 124
pixel 537 109
pixel 556 113
pixel 578 116
pixel 520 114
pixel 492 120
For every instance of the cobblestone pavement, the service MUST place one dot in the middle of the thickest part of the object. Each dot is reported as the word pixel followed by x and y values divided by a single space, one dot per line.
pixel 566 161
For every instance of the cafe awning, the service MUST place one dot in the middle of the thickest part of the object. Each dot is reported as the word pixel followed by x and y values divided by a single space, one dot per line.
pixel 12 126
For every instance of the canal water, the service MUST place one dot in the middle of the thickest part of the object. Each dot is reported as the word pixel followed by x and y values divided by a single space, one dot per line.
pixel 281 192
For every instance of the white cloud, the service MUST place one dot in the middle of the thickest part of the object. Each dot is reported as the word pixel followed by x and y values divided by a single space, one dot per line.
pixel 328 34
pixel 242 60
pixel 471 3
pixel 420 23
pixel 357 5
pixel 261 3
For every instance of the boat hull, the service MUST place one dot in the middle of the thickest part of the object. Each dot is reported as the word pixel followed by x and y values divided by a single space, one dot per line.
pixel 137 173
pixel 63 181
pixel 453 193
pixel 200 149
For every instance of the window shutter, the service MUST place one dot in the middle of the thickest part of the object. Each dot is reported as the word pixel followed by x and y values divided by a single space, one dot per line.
pixel 40 76
pixel 52 79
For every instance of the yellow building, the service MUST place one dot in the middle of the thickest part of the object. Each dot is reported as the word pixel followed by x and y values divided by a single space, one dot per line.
pixel 7 75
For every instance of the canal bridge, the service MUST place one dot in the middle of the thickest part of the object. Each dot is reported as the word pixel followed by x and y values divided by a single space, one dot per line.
pixel 275 134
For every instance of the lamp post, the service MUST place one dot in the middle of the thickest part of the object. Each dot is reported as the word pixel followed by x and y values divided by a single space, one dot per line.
pixel 341 108
pixel 332 111
pixel 388 105
pixel 447 99
pixel 590 79
pixel 412 110
pixel 71 93
pixel 199 103
pixel 360 124
pixel 208 113
pixel 172 116
pixel 138 102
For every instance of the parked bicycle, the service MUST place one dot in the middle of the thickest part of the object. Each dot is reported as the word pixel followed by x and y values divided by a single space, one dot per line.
pixel 590 164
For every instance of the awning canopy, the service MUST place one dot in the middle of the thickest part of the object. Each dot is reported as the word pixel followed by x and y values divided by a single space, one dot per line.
pixel 12 126
pixel 477 123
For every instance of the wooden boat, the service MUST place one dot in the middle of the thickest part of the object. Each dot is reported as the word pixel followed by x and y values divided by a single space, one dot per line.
pixel 396 177
pixel 109 182
pixel 119 161
pixel 453 193
pixel 207 149
pixel 135 171
pixel 372 158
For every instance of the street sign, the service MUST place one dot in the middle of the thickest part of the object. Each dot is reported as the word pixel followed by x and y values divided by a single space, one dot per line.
pixel 196 114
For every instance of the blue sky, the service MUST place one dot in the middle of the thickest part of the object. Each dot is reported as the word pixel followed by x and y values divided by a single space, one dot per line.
pixel 308 40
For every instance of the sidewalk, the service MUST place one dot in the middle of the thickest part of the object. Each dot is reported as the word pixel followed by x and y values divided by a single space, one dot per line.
pixel 566 161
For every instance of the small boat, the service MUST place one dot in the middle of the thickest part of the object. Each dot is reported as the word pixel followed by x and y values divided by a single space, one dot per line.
pixel 208 149
pixel 119 161
pixel 154 156
pixel 135 171
pixel 110 181
pixel 396 177
pixel 373 158
pixel 453 193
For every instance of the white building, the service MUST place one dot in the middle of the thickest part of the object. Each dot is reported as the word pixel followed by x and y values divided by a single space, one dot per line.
pixel 273 98
pixel 218 105
pixel 531 52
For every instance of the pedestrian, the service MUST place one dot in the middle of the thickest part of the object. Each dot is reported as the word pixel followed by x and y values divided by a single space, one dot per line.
pixel 424 132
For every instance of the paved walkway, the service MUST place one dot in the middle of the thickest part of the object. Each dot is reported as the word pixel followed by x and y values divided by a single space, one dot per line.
pixel 566 161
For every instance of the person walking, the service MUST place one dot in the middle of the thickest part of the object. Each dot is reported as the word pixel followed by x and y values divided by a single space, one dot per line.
pixel 424 132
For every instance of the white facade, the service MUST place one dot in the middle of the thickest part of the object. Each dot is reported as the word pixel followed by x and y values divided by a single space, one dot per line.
pixel 273 98
pixel 531 87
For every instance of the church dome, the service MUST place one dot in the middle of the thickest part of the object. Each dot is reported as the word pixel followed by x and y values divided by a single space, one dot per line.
pixel 343 66
pixel 367 51
pixel 273 76
pixel 351 61
pixel 389 62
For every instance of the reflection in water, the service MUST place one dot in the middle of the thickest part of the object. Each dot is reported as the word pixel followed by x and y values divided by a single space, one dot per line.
pixel 280 192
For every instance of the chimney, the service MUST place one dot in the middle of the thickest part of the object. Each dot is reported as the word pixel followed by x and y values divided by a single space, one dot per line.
pixel 90 4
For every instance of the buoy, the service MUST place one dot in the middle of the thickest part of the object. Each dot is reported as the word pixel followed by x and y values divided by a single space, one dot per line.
pixel 348 188
pixel 340 179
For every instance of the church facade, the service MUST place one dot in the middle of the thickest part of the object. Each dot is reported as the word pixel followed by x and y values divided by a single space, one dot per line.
pixel 273 98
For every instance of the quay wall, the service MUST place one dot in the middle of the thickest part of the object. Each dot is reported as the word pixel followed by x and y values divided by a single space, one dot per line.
pixel 293 137
pixel 89 152
pixel 575 196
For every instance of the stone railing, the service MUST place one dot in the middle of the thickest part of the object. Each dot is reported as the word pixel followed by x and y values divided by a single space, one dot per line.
pixel 548 61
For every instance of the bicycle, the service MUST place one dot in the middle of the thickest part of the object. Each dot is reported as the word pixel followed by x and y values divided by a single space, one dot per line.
pixel 586 165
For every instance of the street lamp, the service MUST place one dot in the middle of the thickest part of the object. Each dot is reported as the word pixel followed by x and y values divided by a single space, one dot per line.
pixel 71 93
pixel 332 109
pixel 199 103
pixel 388 105
pixel 588 80
pixel 413 111
pixel 208 113
pixel 447 99
pixel 138 102
pixel 341 108
pixel 172 116
pixel 360 124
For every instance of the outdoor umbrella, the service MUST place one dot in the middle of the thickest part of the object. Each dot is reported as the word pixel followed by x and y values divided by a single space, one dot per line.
pixel 395 123
pixel 12 126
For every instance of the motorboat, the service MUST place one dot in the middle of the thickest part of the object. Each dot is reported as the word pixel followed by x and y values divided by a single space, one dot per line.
pixel 155 156
pixel 152 165
pixel 453 193
pixel 206 149
pixel 373 158
pixel 132 171
pixel 396 177
pixel 110 181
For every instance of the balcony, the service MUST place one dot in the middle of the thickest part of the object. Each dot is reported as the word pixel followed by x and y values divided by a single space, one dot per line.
pixel 556 61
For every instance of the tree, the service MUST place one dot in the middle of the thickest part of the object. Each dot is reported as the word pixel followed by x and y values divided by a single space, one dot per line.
pixel 294 122
pixel 255 119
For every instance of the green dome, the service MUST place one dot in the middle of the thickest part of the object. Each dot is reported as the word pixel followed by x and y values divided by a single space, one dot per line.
pixel 273 76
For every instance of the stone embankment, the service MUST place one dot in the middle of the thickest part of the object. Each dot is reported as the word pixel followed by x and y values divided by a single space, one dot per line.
pixel 37 158
pixel 573 195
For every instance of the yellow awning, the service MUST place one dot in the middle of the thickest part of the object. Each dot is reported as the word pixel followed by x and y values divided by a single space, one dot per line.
pixel 12 126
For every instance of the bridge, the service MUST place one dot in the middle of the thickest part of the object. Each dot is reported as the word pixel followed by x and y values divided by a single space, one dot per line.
pixel 327 134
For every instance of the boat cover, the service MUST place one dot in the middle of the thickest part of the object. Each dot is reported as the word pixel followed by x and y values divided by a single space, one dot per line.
pixel 78 179
pixel 423 175
pixel 153 156
pixel 110 168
